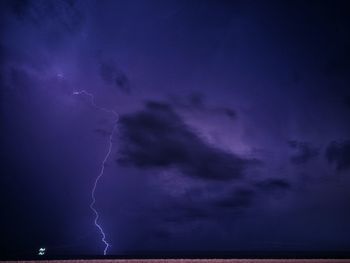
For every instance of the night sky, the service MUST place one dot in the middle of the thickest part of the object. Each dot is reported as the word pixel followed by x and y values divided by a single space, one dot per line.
pixel 233 128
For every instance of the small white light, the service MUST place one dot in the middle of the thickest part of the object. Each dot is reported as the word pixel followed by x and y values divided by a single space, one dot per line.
pixel 42 251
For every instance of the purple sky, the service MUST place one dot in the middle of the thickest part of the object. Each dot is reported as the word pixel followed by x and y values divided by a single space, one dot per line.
pixel 233 131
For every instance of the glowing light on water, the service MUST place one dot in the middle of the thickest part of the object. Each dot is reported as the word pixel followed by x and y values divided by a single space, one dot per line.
pixel 42 251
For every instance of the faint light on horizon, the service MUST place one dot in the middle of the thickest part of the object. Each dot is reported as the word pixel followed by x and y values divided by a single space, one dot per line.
pixel 42 251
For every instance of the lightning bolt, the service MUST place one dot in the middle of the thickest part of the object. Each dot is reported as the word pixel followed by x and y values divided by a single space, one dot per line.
pixel 103 164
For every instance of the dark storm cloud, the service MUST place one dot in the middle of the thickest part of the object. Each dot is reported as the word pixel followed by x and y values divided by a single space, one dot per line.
pixel 19 79
pixel 62 15
pixel 244 197
pixel 183 213
pixel 181 187
pixel 229 113
pixel 112 75
pixel 304 152
pixel 234 200
pixel 185 210
pixel 157 137
pixel 196 101
pixel 240 198
pixel 227 202
pixel 339 153
pixel 273 184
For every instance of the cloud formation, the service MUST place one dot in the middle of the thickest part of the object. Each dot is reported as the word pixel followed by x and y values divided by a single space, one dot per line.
pixel 112 75
pixel 197 101
pixel 58 16
pixel 304 152
pixel 273 184
pixel 239 198
pixel 339 153
pixel 157 137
